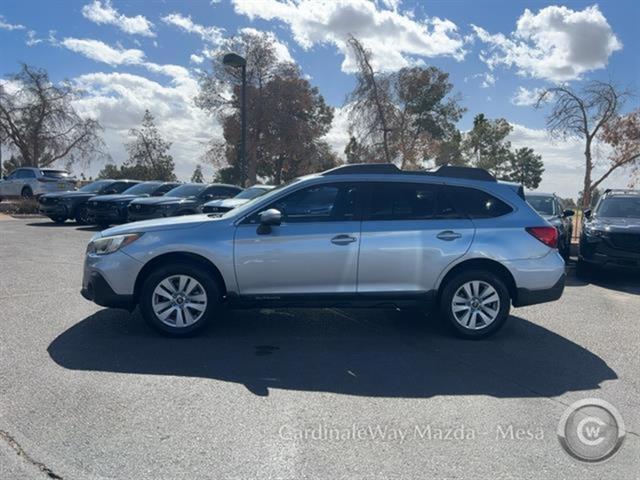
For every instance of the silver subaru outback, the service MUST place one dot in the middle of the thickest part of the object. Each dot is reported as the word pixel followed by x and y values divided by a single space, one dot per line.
pixel 454 239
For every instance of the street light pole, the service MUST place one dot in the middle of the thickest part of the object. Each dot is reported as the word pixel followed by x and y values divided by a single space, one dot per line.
pixel 235 60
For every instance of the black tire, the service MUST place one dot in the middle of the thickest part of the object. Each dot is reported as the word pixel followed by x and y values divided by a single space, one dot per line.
pixel 26 192
pixel 82 215
pixel 210 286
pixel 583 269
pixel 451 287
pixel 59 220
pixel 565 250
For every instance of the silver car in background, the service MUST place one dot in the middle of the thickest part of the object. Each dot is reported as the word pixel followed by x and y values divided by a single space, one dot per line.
pixel 454 240
pixel 226 204
pixel 33 182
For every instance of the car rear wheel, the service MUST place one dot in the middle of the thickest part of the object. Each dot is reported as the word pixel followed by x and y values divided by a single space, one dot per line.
pixel 475 304
pixel 179 300
pixel 27 192
pixel 82 215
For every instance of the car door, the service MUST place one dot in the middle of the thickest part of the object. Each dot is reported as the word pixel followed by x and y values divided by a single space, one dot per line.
pixel 313 251
pixel 410 233
pixel 7 186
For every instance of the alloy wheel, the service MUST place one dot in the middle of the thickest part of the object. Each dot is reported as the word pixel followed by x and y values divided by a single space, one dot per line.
pixel 179 301
pixel 475 305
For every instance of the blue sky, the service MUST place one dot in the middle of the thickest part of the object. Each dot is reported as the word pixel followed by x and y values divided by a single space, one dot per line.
pixel 131 55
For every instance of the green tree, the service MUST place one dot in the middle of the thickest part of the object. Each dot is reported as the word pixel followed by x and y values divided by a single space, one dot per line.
pixel 149 157
pixel 486 145
pixel 197 176
pixel 286 116
pixel 449 151
pixel 526 168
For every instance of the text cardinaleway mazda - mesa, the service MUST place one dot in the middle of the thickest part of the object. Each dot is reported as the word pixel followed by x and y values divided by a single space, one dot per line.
pixel 358 235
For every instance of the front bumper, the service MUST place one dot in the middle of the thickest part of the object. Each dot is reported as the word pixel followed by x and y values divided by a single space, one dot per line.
pixel 600 252
pixel 56 210
pixel 97 290
pixel 111 215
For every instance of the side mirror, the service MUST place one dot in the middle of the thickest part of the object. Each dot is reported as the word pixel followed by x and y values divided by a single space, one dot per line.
pixel 269 218
pixel 587 213
pixel 568 213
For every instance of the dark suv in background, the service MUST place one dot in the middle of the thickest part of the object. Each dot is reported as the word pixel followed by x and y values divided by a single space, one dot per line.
pixel 551 208
pixel 65 205
pixel 107 209
pixel 186 199
pixel 611 232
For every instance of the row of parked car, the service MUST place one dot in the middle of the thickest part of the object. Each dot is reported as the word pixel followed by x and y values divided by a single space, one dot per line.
pixel 106 202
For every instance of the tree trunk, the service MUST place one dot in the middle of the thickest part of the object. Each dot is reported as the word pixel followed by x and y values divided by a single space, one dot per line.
pixel 586 189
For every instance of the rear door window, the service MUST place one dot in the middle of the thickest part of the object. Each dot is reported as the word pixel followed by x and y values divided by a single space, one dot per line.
pixel 477 203
pixel 409 201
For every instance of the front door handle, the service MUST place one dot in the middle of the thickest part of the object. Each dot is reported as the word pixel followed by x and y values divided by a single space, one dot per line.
pixel 343 239
pixel 448 235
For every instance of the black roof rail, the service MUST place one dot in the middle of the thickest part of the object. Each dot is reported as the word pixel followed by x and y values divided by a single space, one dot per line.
pixel 363 168
pixel 621 190
pixel 470 173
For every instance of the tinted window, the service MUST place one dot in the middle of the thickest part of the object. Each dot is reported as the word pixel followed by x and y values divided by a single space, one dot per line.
pixel 187 190
pixel 252 192
pixel 95 187
pixel 141 189
pixel 409 201
pixel 55 173
pixel 214 193
pixel 622 207
pixel 26 174
pixel 319 203
pixel 164 189
pixel 116 187
pixel 477 203
pixel 542 205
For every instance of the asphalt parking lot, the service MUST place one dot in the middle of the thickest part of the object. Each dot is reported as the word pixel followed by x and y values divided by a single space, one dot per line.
pixel 87 392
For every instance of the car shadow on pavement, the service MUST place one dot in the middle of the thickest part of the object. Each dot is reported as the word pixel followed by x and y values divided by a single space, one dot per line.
pixel 611 278
pixel 354 352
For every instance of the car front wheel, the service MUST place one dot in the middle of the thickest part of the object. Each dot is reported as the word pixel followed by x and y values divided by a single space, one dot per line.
pixel 178 300
pixel 475 304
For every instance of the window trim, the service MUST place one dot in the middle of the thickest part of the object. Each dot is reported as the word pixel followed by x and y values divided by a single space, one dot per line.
pixel 247 219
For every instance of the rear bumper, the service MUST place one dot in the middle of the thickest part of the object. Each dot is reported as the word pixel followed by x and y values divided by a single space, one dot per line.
pixel 97 290
pixel 532 297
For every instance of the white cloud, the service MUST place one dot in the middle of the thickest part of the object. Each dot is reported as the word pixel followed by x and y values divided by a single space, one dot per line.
pixel 32 38
pixel 213 35
pixel 556 44
pixel 488 79
pixel 524 97
pixel 118 101
pixel 338 135
pixel 101 52
pixel 100 13
pixel 5 25
pixel 280 48
pixel 395 38
pixel 197 59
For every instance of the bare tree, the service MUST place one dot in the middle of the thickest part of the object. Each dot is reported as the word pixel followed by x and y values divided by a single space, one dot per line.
pixel 40 123
pixel 590 114
pixel 371 107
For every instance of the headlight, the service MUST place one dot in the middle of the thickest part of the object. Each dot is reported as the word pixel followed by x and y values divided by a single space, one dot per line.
pixel 590 231
pixel 106 245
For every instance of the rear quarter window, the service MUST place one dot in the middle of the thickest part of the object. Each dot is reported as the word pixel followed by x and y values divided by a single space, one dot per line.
pixel 477 203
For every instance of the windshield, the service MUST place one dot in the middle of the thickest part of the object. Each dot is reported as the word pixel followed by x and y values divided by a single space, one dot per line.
pixel 252 192
pixel 184 191
pixel 95 187
pixel 622 207
pixel 241 210
pixel 142 189
pixel 542 205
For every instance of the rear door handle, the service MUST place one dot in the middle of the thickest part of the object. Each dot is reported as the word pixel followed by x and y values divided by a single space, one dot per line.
pixel 343 239
pixel 448 235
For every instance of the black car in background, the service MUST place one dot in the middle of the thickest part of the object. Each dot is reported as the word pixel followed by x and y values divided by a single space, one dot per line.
pixel 551 208
pixel 611 232
pixel 183 200
pixel 65 205
pixel 107 209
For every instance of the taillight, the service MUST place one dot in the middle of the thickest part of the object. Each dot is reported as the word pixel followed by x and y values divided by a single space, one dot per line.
pixel 547 235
